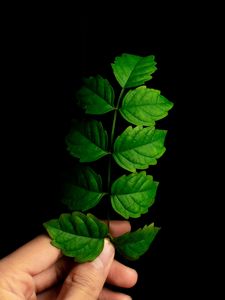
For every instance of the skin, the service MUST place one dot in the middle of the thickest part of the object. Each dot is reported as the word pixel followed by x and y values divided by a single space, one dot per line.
pixel 38 270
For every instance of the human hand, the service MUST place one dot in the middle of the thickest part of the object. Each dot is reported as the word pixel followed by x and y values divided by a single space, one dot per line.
pixel 38 270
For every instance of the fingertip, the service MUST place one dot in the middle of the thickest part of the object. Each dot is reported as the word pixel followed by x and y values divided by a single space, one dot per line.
pixel 106 256
pixel 121 275
pixel 132 276
pixel 118 228
pixel 111 295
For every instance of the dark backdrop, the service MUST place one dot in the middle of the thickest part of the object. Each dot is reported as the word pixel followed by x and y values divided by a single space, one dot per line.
pixel 45 56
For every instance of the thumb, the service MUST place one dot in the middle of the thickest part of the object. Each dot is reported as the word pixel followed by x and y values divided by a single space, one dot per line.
pixel 85 281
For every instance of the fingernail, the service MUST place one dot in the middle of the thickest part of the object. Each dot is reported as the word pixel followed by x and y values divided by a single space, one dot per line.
pixel 107 253
pixel 106 256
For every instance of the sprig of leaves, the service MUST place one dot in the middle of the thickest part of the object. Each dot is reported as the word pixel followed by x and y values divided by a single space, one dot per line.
pixel 135 149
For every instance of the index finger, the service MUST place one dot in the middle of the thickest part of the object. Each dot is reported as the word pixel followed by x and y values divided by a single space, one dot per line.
pixel 38 254
pixel 35 256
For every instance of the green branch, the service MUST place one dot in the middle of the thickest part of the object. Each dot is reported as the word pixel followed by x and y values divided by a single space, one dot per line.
pixel 137 146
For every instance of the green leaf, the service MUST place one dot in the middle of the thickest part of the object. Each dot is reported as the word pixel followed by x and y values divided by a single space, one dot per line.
pixel 134 244
pixel 137 148
pixel 133 70
pixel 84 189
pixel 144 106
pixel 132 195
pixel 77 235
pixel 96 96
pixel 87 140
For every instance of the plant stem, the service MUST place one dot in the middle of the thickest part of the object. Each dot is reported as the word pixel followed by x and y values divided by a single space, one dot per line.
pixel 115 118
pixel 110 148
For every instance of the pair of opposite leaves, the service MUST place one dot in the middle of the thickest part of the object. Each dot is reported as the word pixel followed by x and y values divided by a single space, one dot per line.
pixel 81 236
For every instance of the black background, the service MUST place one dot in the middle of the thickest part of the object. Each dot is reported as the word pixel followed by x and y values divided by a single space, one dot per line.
pixel 46 52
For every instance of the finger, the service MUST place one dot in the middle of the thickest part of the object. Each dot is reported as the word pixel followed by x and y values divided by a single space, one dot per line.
pixel 86 280
pixel 105 294
pixel 35 256
pixel 110 295
pixel 121 275
pixel 117 228
pixel 55 274
pixel 49 294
